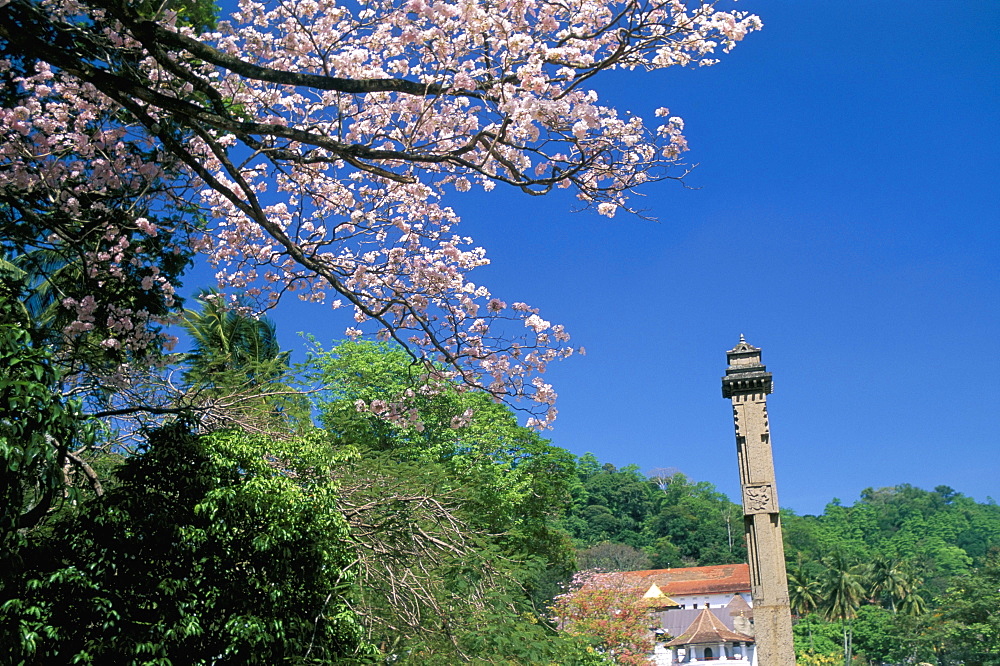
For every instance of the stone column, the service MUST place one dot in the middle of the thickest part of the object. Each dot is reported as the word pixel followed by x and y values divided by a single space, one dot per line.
pixel 747 384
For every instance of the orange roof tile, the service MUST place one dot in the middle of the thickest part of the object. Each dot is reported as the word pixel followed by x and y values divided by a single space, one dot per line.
pixel 718 579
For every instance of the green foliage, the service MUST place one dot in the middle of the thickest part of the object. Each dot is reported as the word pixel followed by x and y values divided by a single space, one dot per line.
pixel 492 631
pixel 608 556
pixel 198 14
pixel 212 549
pixel 804 588
pixel 876 634
pixel 940 533
pixel 842 590
pixel 453 506
pixel 676 521
pixel 513 482
pixel 700 522
pixel 914 544
pixel 55 252
pixel 230 347
pixel 237 371
pixel 969 612
pixel 815 636
pixel 610 504
pixel 423 506
pixel 37 426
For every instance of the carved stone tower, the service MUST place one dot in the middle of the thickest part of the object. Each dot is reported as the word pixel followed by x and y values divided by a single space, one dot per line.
pixel 747 384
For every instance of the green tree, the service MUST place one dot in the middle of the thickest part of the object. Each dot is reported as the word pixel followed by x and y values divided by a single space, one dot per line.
pixel 230 345
pixel 607 556
pixel 886 582
pixel 102 316
pixel 842 595
pixel 224 548
pixel 932 536
pixel 804 590
pixel 817 642
pixel 515 482
pixel 453 506
pixel 610 504
pixel 41 433
pixel 875 632
pixel 699 522
pixel 235 371
pixel 970 610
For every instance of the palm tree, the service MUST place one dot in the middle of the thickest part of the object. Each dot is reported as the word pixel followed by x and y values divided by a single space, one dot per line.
pixel 842 594
pixel 235 369
pixel 803 592
pixel 910 602
pixel 893 583
pixel 230 345
pixel 11 275
pixel 885 581
pixel 45 273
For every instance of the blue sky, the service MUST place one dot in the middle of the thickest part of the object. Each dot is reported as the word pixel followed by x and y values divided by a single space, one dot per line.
pixel 845 221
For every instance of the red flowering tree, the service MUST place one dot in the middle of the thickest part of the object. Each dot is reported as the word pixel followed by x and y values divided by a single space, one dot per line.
pixel 306 146
pixel 601 607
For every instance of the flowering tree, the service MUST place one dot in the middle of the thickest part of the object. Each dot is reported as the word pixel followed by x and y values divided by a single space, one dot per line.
pixel 305 146
pixel 601 607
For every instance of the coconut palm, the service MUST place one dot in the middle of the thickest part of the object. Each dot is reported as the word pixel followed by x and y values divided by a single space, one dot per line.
pixel 235 369
pixel 804 592
pixel 842 594
pixel 230 345
pixel 893 583
pixel 62 274
pixel 910 601
pixel 885 581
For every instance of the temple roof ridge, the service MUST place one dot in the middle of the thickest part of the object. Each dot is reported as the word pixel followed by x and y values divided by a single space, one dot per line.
pixel 708 629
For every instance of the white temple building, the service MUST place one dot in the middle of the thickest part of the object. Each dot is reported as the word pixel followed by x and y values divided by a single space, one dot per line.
pixel 707 640
pixel 700 615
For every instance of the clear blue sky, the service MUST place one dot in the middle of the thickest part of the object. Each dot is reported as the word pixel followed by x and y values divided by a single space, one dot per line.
pixel 846 222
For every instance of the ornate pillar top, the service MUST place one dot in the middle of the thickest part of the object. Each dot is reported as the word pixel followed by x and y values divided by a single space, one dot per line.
pixel 745 374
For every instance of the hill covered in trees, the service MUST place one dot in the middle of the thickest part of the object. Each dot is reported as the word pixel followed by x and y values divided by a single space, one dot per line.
pixel 676 521
pixel 900 575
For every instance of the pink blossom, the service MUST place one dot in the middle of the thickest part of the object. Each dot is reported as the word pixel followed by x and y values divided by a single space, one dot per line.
pixel 537 323
pixel 337 195
pixel 146 227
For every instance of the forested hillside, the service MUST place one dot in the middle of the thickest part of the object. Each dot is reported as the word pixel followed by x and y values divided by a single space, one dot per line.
pixel 900 575
pixel 942 532
pixel 670 519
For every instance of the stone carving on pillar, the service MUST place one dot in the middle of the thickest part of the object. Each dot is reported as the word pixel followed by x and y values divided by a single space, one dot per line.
pixel 747 384
pixel 758 498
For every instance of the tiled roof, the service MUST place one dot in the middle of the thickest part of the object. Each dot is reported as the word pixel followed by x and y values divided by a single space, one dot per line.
pixel 708 629
pixel 739 606
pixel 676 620
pixel 718 579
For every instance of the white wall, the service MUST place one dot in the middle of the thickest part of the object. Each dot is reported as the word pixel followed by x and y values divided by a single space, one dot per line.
pixel 715 600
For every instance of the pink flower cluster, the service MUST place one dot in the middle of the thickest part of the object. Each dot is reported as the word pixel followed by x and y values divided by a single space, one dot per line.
pixel 353 121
